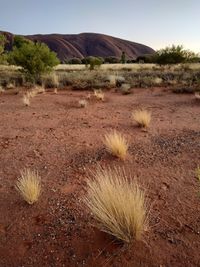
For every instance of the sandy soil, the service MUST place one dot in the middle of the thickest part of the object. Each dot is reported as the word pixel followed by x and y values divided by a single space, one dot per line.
pixel 62 142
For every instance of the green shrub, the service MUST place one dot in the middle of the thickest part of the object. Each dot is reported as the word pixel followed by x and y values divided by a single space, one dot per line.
pixel 3 56
pixel 92 62
pixel 2 43
pixel 174 55
pixel 74 61
pixel 34 58
pixel 19 41
pixel 112 60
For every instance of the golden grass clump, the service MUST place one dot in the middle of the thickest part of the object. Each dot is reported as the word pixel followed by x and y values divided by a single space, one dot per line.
pixel 142 117
pixel 1 89
pixel 38 90
pixel 26 99
pixel 55 80
pixel 32 93
pixel 197 96
pixel 99 95
pixel 10 86
pixel 112 79
pixel 116 144
pixel 29 186
pixel 198 173
pixel 82 103
pixel 50 80
pixel 89 96
pixel 157 80
pixel 117 203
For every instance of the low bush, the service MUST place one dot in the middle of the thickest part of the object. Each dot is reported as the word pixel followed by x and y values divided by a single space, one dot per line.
pixel 125 89
pixel 184 90
pixel 74 61
pixel 50 80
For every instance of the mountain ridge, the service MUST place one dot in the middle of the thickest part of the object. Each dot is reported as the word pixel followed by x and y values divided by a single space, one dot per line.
pixel 86 44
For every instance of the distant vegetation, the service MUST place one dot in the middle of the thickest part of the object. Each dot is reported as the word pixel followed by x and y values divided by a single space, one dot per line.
pixel 2 47
pixel 171 55
pixel 36 63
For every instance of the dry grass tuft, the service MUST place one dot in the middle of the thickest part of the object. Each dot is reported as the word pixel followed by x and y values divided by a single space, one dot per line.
pixel 89 96
pixel 26 99
pixel 10 86
pixel 111 79
pixel 142 117
pixel 99 95
pixel 82 103
pixel 116 144
pixel 29 186
pixel 117 203
pixel 1 89
pixel 197 96
pixel 125 89
pixel 28 95
pixel 198 173
pixel 50 80
pixel 38 90
pixel 157 81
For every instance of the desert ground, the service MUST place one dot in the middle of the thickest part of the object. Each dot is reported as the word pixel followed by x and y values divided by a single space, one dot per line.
pixel 64 142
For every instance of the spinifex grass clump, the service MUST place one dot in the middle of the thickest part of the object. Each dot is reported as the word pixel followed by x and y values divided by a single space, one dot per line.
pixel 99 95
pixel 116 144
pixel 142 117
pixel 198 173
pixel 26 99
pixel 117 203
pixel 82 103
pixel 29 186
pixel 197 96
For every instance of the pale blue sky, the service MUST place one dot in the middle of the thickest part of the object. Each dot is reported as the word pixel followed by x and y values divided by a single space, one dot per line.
pixel 156 23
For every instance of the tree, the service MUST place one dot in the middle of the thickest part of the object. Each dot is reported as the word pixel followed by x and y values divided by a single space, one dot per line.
pixel 123 58
pixel 3 42
pixel 92 62
pixel 34 58
pixel 174 55
pixel 19 41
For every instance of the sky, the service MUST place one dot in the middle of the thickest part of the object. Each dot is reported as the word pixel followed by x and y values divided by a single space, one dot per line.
pixel 156 23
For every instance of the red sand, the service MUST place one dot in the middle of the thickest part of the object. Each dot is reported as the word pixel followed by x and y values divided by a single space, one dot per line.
pixel 62 141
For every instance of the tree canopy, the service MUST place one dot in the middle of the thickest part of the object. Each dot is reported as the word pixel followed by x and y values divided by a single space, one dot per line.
pixel 3 42
pixel 174 55
pixel 34 58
